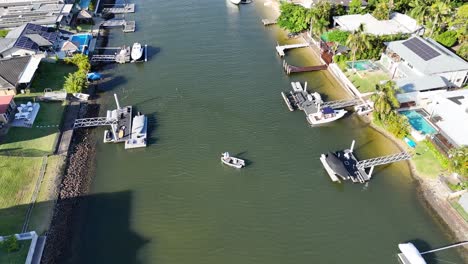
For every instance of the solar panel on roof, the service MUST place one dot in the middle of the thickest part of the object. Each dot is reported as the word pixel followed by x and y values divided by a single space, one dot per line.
pixel 421 49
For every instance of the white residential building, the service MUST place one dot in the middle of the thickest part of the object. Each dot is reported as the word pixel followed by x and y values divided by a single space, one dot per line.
pixel 449 112
pixel 398 23
pixel 422 67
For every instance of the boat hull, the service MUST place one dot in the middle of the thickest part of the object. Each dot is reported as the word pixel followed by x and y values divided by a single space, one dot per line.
pixel 314 121
pixel 236 2
pixel 233 162
pixel 137 52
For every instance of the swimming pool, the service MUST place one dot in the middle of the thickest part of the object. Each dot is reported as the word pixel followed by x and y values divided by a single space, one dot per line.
pixel 362 65
pixel 82 40
pixel 84 3
pixel 418 122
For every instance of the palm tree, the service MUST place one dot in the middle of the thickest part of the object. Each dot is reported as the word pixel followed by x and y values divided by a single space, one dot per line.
pixel 358 40
pixel 421 9
pixel 459 160
pixel 385 100
pixel 439 11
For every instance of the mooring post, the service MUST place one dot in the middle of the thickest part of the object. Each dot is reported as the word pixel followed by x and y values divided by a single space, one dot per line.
pixel 370 172
pixel 305 87
pixel 352 146
pixel 117 101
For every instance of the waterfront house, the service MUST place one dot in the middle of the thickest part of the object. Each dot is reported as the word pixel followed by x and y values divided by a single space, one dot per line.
pixel 14 13
pixel 7 108
pixel 84 17
pixel 397 24
pixel 448 111
pixel 16 73
pixel 311 3
pixel 29 39
pixel 422 67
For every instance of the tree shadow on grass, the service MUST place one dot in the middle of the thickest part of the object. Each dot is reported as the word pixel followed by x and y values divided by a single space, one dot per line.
pixel 20 152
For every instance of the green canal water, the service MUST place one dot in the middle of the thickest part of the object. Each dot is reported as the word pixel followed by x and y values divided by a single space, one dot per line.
pixel 213 84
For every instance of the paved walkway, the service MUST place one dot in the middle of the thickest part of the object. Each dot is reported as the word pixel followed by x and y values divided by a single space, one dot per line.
pixel 72 111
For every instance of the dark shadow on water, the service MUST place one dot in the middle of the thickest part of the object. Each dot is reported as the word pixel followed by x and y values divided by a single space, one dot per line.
pixel 97 229
pixel 152 51
pixel 241 155
pixel 109 83
pixel 152 127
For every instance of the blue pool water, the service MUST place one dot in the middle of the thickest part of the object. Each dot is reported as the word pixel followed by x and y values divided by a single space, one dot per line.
pixel 418 122
pixel 361 65
pixel 82 39
pixel 84 3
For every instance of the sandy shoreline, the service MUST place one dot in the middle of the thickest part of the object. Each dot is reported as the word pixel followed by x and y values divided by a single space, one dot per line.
pixel 433 194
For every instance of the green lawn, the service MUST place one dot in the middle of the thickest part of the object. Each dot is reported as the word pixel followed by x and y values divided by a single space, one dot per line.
pixel 51 75
pixel 18 257
pixel 21 154
pixel 367 81
pixel 42 212
pixel 426 162
pixel 460 210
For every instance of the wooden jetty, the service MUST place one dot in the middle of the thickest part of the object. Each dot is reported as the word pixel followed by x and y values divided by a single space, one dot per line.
pixel 280 49
pixel 345 166
pixel 124 9
pixel 294 69
pixel 269 22
pixel 127 26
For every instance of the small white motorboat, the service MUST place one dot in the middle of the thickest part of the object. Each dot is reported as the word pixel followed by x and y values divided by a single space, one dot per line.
pixel 81 96
pixel 232 161
pixel 236 2
pixel 138 137
pixel 325 115
pixel 137 51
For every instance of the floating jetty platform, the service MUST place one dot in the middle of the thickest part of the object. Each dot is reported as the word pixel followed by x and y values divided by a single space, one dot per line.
pixel 119 120
pixel 119 9
pixel 121 55
pixel 269 22
pixel 280 49
pixel 299 99
pixel 127 26
pixel 344 165
pixel 295 69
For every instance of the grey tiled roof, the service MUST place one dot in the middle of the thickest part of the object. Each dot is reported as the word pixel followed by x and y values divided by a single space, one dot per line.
pixel 11 70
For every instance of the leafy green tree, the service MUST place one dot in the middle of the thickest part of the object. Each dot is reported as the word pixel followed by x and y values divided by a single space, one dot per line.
pixel 397 124
pixel 460 23
pixel 294 18
pixel 448 38
pixel 321 14
pixel 10 244
pixel 81 61
pixel 459 160
pixel 338 10
pixel 421 10
pixel 355 7
pixel 439 13
pixel 338 36
pixel 463 51
pixel 358 41
pixel 385 101
pixel 382 11
pixel 401 6
pixel 75 82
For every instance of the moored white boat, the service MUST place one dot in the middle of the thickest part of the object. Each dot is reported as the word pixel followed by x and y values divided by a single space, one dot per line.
pixel 363 109
pixel 137 51
pixel 139 132
pixel 232 161
pixel 81 96
pixel 325 115
pixel 236 2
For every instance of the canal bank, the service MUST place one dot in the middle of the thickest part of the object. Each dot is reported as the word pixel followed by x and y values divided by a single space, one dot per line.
pixel 174 203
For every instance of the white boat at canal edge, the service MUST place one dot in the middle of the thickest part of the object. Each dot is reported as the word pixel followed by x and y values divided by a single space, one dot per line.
pixel 137 51
pixel 81 96
pixel 236 2
pixel 232 161
pixel 325 115
pixel 139 132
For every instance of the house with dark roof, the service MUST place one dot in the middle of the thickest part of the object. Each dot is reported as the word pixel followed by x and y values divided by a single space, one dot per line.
pixel 422 67
pixel 17 73
pixel 7 108
pixel 29 39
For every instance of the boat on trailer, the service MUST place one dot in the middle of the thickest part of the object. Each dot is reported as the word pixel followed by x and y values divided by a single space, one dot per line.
pixel 232 161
